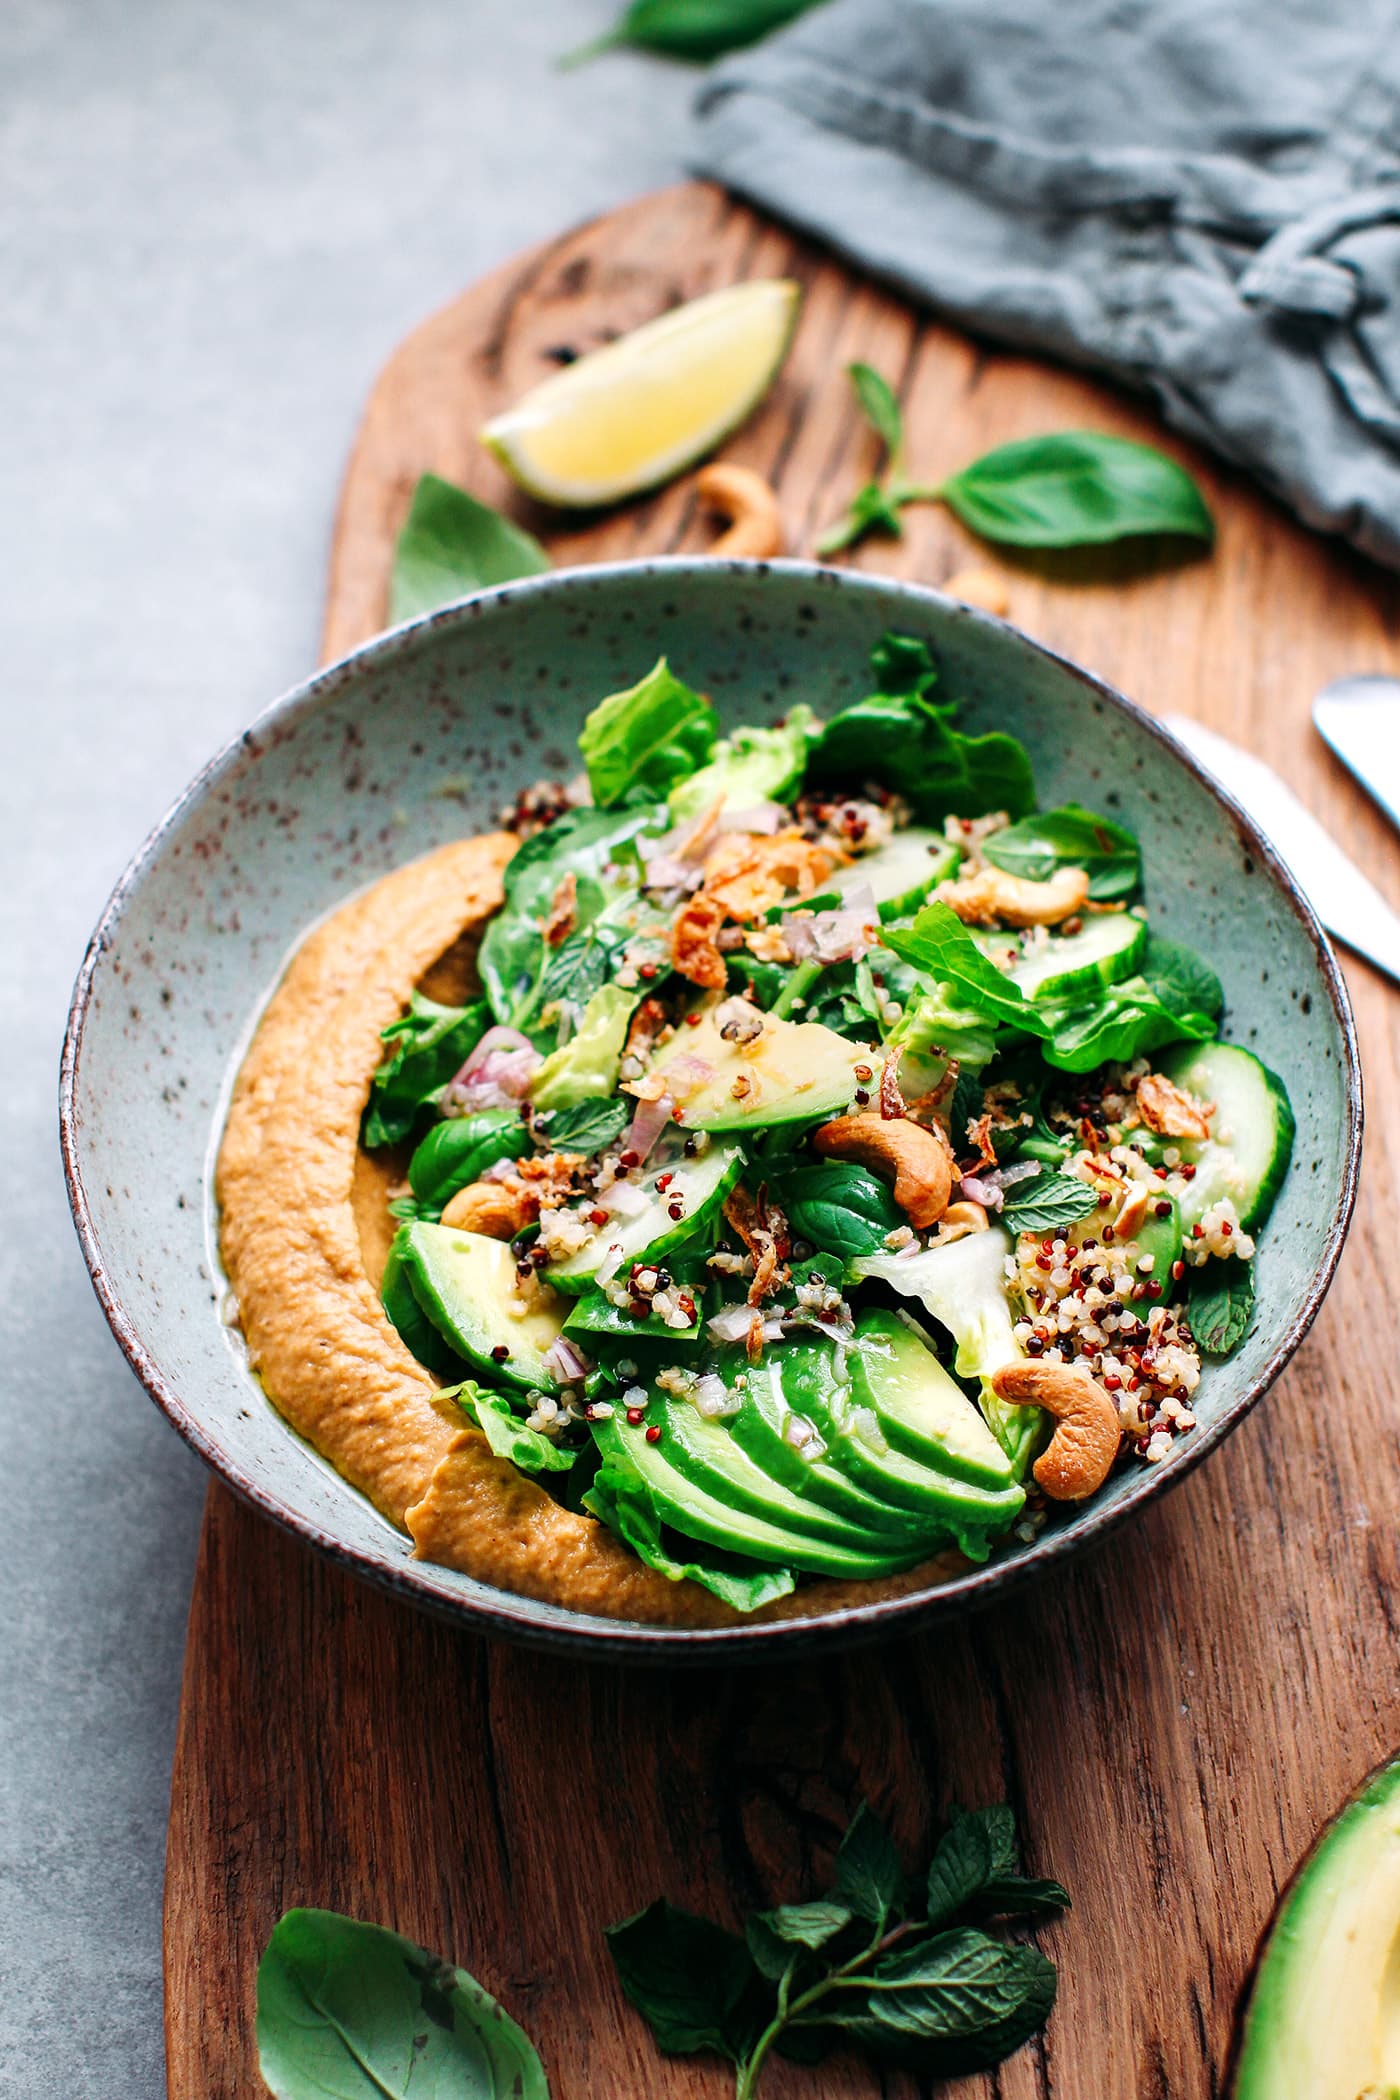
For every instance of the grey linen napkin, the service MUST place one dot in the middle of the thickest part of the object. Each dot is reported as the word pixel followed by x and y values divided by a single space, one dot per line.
pixel 1201 197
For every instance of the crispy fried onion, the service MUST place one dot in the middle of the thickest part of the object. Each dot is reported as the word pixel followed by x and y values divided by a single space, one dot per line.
pixel 694 953
pixel 763 1228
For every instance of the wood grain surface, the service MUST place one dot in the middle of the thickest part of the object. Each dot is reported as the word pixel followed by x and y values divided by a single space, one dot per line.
pixel 1171 1719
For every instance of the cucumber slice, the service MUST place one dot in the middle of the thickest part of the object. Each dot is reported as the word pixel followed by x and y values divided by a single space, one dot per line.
pixel 921 1410
pixel 793 1072
pixel 902 873
pixel 1108 947
pixel 1246 1155
pixel 467 1286
pixel 697 1186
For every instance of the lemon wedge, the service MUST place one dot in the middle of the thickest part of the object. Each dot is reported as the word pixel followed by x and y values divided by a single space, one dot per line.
pixel 634 413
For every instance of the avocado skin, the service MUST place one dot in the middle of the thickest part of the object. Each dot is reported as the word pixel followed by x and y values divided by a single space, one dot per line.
pixel 464 1317
pixel 407 1317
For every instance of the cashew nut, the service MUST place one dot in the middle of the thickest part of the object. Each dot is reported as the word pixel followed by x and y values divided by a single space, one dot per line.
pixel 917 1158
pixel 991 897
pixel 1077 1460
pixel 497 1209
pixel 982 588
pixel 1169 1111
pixel 961 1218
pixel 737 493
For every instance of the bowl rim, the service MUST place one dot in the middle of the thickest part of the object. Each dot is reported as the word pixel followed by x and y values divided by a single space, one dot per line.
pixel 506 1613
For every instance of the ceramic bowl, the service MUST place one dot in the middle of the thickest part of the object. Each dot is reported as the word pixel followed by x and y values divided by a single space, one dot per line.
pixel 424 734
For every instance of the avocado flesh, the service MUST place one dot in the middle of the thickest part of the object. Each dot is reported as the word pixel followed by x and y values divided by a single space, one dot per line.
pixel 1324 2017
pixel 466 1285
pixel 407 1317
pixel 695 1513
pixel 762 1428
pixel 922 1412
pixel 792 1072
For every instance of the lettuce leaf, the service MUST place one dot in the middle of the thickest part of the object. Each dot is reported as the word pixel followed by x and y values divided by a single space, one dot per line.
pixel 1126 1022
pixel 586 1067
pixel 751 766
pixel 646 739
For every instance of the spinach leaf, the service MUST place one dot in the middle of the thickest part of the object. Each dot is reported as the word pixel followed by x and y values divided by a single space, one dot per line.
pixel 458 1151
pixel 1127 1020
pixel 451 544
pixel 643 741
pixel 511 1438
pixel 1220 1304
pixel 840 1208
pixel 697 30
pixel 938 943
pixel 1181 979
pixel 1050 1199
pixel 621 1499
pixel 905 740
pixel 1075 488
pixel 1069 837
pixel 590 1127
pixel 348 2011
pixel 693 1982
pixel 429 1043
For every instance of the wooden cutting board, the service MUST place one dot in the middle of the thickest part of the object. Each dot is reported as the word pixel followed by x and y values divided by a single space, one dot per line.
pixel 1171 1719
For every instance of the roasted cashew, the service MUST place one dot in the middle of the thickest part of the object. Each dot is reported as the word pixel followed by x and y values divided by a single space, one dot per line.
pixel 917 1158
pixel 991 897
pixel 1077 1460
pixel 982 588
pixel 497 1209
pixel 962 1218
pixel 737 493
pixel 1170 1112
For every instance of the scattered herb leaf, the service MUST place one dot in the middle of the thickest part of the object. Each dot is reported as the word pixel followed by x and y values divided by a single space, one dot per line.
pixel 459 1149
pixel 1221 1304
pixel 507 1435
pixel 1076 488
pixel 1181 979
pixel 427 1045
pixel 451 544
pixel 842 1209
pixel 590 1127
pixel 1069 837
pixel 1126 1020
pixel 1049 1200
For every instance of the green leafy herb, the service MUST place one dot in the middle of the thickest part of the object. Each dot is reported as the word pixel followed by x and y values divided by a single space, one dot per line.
pixel 1069 837
pixel 938 943
pixel 1127 1020
pixel 896 1968
pixel 585 1068
pixel 429 1043
pixel 643 741
pixel 451 544
pixel 1075 488
pixel 507 1435
pixel 901 736
pixel 590 1127
pixel 576 969
pixel 621 1499
pixel 348 2011
pixel 969 1099
pixel 1048 1200
pixel 1070 488
pixel 842 1209
pixel 1180 979
pixel 458 1151
pixel 751 766
pixel 697 30
pixel 1221 1304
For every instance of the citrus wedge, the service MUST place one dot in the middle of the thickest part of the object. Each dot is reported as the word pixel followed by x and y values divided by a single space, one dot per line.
pixel 641 409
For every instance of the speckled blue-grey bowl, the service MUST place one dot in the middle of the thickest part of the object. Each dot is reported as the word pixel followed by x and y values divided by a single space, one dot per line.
pixel 424 734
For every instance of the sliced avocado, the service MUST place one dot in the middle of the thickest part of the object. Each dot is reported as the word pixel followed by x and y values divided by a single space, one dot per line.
pixel 789 1448
pixel 1324 2017
pixel 688 1206
pixel 467 1286
pixel 921 1410
pixel 692 1511
pixel 408 1318
pixel 901 874
pixel 792 1072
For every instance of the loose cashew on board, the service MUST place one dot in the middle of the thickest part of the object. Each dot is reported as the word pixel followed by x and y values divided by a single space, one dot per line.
pixel 1077 1460
pixel 745 498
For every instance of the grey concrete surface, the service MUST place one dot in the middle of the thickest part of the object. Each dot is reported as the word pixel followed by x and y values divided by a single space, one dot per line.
pixel 216 219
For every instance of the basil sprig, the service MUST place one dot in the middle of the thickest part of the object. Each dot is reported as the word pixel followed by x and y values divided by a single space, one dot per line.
pixel 1069 488
pixel 452 544
pixel 901 1969
pixel 1069 837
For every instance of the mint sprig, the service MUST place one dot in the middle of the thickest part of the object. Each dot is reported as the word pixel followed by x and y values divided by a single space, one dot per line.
pixel 898 1967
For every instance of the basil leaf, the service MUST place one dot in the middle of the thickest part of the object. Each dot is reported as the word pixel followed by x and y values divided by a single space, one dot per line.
pixel 867 1878
pixel 348 2011
pixel 905 741
pixel 458 1151
pixel 1069 837
pixel 937 942
pixel 621 1499
pixel 970 1853
pixel 1127 1021
pixel 511 1438
pixel 450 545
pixel 1180 979
pixel 646 739
pixel 697 30
pixel 1076 488
pixel 590 1127
pixel 430 1043
pixel 870 510
pixel 1221 1304
pixel 880 406
pixel 694 1983
pixel 843 1209
pixel 1049 1200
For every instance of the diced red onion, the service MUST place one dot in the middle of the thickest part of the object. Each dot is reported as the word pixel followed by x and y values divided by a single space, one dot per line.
pixel 496 1075
pixel 624 1200
pixel 666 872
pixel 686 1074
pixel 1007 1177
pixel 608 1266
pixel 977 1190
pixel 647 1125
pixel 762 820
pixel 843 935
pixel 731 1324
pixel 713 1399
pixel 563 1361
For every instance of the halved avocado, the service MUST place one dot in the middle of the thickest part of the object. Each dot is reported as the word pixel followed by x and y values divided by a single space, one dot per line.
pixel 467 1286
pixel 1324 2015
pixel 921 1410
pixel 695 1513
pixel 791 1072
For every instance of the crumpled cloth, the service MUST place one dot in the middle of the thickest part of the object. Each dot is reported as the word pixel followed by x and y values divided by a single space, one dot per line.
pixel 1200 197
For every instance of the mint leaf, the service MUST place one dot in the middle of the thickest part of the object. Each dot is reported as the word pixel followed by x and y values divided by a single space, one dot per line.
pixel 646 739
pixel 972 1851
pixel 348 2011
pixel 451 545
pixel 947 1987
pixel 866 1875
pixel 1008 1896
pixel 1051 1199
pixel 1221 1304
pixel 694 1984
pixel 590 1127
pixel 1070 837
pixel 1076 488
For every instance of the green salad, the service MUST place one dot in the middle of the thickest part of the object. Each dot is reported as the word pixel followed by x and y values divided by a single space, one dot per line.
pixel 836 1169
